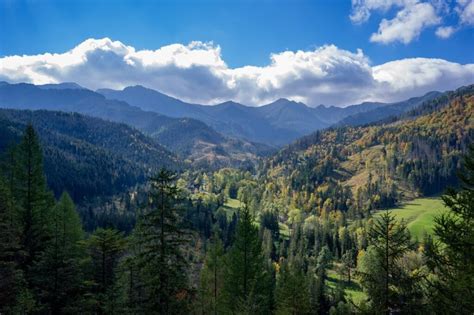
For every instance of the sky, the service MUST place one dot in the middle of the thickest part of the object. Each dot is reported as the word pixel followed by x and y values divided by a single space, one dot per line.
pixel 318 52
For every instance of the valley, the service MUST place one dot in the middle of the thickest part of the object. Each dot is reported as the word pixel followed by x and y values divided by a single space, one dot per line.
pixel 304 211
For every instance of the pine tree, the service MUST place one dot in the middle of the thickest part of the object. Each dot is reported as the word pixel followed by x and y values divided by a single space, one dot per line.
pixel 10 274
pixel 30 192
pixel 292 291
pixel 57 275
pixel 247 279
pixel 105 247
pixel 212 277
pixel 452 259
pixel 380 272
pixel 159 240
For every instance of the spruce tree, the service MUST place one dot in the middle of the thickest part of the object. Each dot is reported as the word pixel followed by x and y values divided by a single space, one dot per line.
pixel 247 278
pixel 159 238
pixel 380 271
pixel 58 273
pixel 452 257
pixel 105 247
pixel 30 193
pixel 292 291
pixel 10 274
pixel 212 277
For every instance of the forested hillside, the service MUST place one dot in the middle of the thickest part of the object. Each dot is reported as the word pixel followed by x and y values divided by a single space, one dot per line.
pixel 192 253
pixel 294 235
pixel 376 166
pixel 88 157
pixel 211 147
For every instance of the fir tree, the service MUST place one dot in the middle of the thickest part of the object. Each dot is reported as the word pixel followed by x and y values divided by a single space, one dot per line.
pixel 292 291
pixel 58 273
pixel 380 271
pixel 30 192
pixel 159 241
pixel 10 274
pixel 452 258
pixel 246 286
pixel 212 277
pixel 106 247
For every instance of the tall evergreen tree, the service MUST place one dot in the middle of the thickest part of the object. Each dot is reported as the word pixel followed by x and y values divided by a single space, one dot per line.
pixel 159 242
pixel 212 277
pixel 106 247
pixel 247 279
pixel 292 291
pixel 380 271
pixel 452 258
pixel 58 273
pixel 10 274
pixel 30 192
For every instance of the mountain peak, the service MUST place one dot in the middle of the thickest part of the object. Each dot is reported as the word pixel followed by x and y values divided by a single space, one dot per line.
pixel 61 86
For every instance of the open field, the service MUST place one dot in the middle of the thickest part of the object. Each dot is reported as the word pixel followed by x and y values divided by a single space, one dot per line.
pixel 353 290
pixel 419 214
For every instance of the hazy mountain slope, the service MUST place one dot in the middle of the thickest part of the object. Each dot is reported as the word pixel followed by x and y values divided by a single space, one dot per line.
pixel 154 101
pixel 277 123
pixel 230 118
pixel 332 114
pixel 87 156
pixel 28 96
pixel 293 116
pixel 247 122
pixel 393 109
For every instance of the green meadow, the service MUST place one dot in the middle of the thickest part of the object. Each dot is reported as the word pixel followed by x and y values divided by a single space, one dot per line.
pixel 419 214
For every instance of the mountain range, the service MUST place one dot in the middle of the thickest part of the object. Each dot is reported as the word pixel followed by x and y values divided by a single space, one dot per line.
pixel 226 134
pixel 189 138
pixel 277 123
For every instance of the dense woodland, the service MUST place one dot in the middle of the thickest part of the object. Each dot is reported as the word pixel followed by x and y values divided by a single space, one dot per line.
pixel 175 245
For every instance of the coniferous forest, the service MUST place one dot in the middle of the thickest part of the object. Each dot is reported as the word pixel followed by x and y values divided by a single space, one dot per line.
pixel 90 224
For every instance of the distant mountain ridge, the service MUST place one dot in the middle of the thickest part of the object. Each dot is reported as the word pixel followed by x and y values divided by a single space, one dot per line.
pixel 277 123
pixel 393 109
pixel 200 140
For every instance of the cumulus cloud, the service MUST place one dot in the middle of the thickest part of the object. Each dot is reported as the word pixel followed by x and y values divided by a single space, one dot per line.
pixel 197 73
pixel 445 31
pixel 362 9
pixel 412 17
pixel 407 24
pixel 465 9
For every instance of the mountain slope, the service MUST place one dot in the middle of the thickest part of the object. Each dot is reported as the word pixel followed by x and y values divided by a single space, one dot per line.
pixel 28 96
pixel 377 166
pixel 230 118
pixel 393 109
pixel 291 115
pixel 154 101
pixel 277 123
pixel 87 156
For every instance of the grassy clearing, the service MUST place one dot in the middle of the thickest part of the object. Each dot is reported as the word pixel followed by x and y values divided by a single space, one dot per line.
pixel 233 203
pixel 419 214
pixel 352 290
pixel 230 207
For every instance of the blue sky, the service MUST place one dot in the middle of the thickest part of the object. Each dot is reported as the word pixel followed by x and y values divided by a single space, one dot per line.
pixel 247 31
pixel 317 52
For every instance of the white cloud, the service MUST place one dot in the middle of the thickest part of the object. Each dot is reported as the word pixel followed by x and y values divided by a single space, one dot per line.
pixel 407 24
pixel 197 73
pixel 465 9
pixel 408 77
pixel 412 17
pixel 361 9
pixel 445 31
